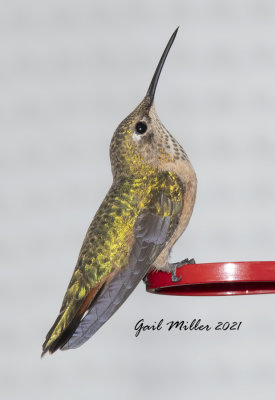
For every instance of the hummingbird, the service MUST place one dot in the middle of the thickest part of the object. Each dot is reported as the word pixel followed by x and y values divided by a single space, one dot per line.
pixel 145 211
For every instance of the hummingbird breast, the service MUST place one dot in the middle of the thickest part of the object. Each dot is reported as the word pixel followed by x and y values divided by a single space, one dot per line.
pixel 184 171
pixel 151 154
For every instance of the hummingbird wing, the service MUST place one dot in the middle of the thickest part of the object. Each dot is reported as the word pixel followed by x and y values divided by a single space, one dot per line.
pixel 111 265
pixel 151 232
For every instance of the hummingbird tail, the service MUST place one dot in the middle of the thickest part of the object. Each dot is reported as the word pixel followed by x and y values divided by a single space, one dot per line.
pixel 151 233
pixel 111 296
pixel 64 327
pixel 50 346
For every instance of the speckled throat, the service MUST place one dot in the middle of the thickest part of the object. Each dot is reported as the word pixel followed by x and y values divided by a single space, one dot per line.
pixel 143 155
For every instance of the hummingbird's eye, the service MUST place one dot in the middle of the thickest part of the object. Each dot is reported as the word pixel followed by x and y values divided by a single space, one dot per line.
pixel 141 128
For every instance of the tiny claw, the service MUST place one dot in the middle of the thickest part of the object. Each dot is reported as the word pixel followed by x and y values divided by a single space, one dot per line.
pixel 177 265
pixel 174 277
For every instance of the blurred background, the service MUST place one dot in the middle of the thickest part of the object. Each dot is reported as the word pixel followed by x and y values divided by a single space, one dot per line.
pixel 70 71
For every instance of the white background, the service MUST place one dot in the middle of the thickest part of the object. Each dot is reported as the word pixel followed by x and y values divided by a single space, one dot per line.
pixel 70 71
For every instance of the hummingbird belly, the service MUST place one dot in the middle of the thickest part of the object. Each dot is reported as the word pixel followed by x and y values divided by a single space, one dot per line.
pixel 186 174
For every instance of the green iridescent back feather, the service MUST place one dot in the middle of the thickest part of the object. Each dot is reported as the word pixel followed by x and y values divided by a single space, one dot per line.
pixel 107 244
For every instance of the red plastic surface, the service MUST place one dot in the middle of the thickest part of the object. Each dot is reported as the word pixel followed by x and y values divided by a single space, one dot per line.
pixel 216 279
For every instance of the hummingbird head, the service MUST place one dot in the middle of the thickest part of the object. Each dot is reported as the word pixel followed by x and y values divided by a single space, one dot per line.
pixel 141 144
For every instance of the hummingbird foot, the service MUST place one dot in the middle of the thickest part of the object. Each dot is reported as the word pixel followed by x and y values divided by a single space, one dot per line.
pixel 173 268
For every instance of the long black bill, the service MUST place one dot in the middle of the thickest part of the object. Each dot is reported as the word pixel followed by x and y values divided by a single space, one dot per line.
pixel 154 82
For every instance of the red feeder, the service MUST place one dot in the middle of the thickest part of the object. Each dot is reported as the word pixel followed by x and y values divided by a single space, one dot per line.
pixel 216 279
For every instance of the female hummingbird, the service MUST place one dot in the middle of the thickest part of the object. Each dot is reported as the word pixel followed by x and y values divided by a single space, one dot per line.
pixel 145 211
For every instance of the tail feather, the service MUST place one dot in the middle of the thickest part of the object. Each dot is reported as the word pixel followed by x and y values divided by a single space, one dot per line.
pixel 52 346
pixel 58 336
pixel 113 295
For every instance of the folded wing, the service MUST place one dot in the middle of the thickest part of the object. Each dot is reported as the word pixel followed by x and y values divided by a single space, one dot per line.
pixel 151 232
